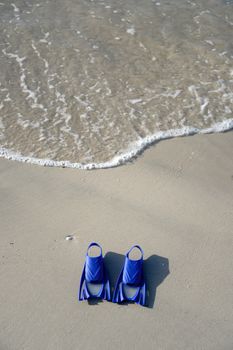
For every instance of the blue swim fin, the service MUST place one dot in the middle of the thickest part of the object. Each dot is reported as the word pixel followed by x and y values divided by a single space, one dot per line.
pixel 94 274
pixel 131 276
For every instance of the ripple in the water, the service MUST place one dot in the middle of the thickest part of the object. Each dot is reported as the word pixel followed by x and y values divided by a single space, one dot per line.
pixel 81 81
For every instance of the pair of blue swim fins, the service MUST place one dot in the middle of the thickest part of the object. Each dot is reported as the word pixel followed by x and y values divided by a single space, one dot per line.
pixel 130 284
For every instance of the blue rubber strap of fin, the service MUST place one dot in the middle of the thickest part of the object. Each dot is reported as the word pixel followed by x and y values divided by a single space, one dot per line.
pixel 135 246
pixel 94 244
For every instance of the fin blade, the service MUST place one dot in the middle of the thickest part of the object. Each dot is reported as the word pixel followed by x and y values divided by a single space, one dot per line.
pixel 107 292
pixel 82 287
pixel 118 293
pixel 83 291
pixel 142 295
pixel 119 296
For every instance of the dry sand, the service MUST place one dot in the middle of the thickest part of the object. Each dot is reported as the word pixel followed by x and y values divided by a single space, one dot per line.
pixel 175 200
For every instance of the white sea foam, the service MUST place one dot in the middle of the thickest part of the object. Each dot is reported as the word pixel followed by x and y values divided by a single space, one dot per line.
pixel 16 12
pixel 44 40
pixel 131 31
pixel 31 95
pixel 136 100
pixel 46 64
pixel 133 150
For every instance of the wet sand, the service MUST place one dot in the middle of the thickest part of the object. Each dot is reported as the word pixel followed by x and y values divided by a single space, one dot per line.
pixel 175 201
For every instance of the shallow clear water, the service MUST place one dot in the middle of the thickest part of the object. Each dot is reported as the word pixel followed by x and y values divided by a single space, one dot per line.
pixel 95 81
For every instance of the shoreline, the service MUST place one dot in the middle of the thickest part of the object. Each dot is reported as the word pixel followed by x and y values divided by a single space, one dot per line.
pixel 133 151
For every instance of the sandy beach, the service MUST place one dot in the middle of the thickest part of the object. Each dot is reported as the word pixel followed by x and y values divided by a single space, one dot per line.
pixel 175 200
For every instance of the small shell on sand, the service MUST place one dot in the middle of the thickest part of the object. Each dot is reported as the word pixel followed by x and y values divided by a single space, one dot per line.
pixel 69 237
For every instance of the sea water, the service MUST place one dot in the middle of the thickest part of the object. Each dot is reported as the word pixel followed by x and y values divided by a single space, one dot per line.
pixel 90 83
